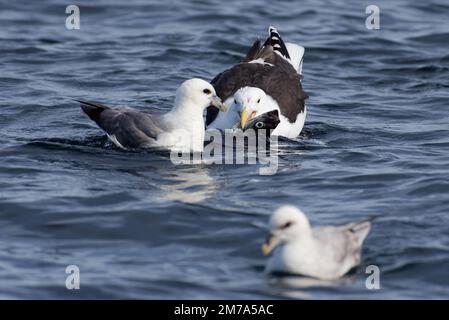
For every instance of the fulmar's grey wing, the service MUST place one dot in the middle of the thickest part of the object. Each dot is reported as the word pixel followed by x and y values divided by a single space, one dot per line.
pixel 344 242
pixel 277 77
pixel 127 128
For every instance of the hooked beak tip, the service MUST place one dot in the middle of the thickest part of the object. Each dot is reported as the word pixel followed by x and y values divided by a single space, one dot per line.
pixel 266 249
pixel 216 102
pixel 270 244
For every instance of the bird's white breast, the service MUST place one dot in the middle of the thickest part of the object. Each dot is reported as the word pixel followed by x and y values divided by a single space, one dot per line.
pixel 285 128
pixel 290 130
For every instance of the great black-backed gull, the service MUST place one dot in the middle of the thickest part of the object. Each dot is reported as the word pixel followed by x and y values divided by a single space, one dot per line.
pixel 268 78
pixel 326 253
pixel 181 129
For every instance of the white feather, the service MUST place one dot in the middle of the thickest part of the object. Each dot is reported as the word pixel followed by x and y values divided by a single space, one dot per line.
pixel 114 140
pixel 296 53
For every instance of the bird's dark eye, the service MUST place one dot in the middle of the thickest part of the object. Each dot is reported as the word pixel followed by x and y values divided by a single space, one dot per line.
pixel 207 91
pixel 258 101
pixel 235 101
pixel 259 125
pixel 286 225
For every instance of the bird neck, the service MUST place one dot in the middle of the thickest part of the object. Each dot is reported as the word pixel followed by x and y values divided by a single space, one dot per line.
pixel 187 113
pixel 187 119
pixel 304 233
pixel 266 105
pixel 304 240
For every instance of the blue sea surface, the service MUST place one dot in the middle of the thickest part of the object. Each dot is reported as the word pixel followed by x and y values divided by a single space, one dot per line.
pixel 376 142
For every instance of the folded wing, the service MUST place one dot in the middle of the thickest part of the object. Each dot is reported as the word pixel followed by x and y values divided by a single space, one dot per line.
pixel 127 128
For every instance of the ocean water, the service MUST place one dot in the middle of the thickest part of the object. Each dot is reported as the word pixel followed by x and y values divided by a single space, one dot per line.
pixel 376 142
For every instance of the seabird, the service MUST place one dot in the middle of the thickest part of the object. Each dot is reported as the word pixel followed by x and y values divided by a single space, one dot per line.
pixel 268 78
pixel 325 253
pixel 181 129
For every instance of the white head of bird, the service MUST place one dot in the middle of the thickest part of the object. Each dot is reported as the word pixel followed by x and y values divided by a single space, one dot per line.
pixel 287 224
pixel 197 93
pixel 249 103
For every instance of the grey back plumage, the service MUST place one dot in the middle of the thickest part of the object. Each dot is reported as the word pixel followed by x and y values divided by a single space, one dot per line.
pixel 345 241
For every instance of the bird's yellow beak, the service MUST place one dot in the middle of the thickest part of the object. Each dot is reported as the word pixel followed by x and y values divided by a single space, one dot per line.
pixel 266 249
pixel 223 107
pixel 246 116
pixel 269 244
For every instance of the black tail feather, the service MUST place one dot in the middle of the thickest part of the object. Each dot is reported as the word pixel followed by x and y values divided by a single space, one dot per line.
pixel 275 40
pixel 92 109
pixel 253 51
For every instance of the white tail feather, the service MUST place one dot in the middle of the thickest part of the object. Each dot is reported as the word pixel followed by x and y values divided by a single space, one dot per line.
pixel 296 53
